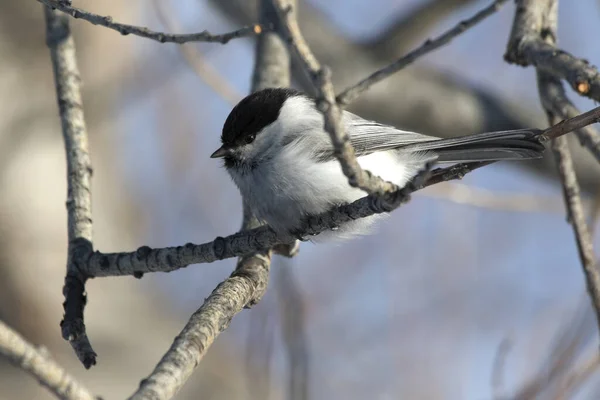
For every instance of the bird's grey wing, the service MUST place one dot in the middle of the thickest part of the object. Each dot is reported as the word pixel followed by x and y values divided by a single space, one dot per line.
pixel 368 136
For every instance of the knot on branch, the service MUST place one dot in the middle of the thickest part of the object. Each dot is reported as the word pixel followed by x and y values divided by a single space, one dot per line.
pixel 219 247
pixel 143 252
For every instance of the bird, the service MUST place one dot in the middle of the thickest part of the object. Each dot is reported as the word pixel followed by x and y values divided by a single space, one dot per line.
pixel 278 154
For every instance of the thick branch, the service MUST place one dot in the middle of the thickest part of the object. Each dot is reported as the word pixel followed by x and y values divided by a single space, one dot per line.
pixel 354 91
pixel 38 363
pixel 79 172
pixel 527 46
pixel 248 283
pixel 162 37
pixel 168 259
pixel 190 346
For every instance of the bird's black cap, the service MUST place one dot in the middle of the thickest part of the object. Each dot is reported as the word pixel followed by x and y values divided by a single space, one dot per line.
pixel 253 113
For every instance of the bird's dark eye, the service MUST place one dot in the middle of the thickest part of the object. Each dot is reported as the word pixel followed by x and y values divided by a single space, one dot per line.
pixel 249 139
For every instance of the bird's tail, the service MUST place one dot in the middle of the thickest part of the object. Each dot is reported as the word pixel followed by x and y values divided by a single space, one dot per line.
pixel 519 144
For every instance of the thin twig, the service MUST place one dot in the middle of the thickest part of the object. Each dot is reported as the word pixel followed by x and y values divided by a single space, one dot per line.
pixel 321 79
pixel 196 60
pixel 162 37
pixel 571 124
pixel 560 364
pixel 410 27
pixel 588 136
pixel 351 93
pixel 37 362
pixel 79 172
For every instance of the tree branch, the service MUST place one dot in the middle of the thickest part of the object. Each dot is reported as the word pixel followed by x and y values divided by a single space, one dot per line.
pixel 527 46
pixel 38 363
pixel 168 259
pixel 543 16
pixel 248 283
pixel 162 37
pixel 351 93
pixel 403 33
pixel 79 172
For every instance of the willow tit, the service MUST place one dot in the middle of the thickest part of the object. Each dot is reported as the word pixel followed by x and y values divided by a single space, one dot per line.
pixel 280 157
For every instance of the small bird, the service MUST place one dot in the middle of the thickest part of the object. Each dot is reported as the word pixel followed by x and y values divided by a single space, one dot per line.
pixel 280 157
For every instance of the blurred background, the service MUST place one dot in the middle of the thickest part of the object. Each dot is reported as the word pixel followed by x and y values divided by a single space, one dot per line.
pixel 472 291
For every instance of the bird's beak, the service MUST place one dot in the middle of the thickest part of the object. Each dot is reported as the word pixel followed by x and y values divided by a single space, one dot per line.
pixel 221 152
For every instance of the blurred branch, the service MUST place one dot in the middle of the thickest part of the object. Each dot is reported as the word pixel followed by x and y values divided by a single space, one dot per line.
pixel 527 47
pixel 409 28
pixel 595 213
pixel 576 218
pixel 543 20
pixel 272 69
pixel 560 371
pixel 493 199
pixel 499 365
pixel 292 315
pixel 248 283
pixel 162 37
pixel 38 363
pixel 260 343
pixel 79 172
pixel 196 61
pixel 326 103
pixel 578 375
pixel 351 93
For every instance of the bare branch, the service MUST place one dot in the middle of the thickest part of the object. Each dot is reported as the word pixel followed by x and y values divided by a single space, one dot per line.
pixel 544 17
pixel 190 346
pixel 354 91
pixel 162 37
pixel 527 46
pixel 564 108
pixel 79 172
pixel 321 80
pixel 403 33
pixel 38 363
pixel 248 283
pixel 242 243
pixel 169 259
pixel 576 218
pixel 570 124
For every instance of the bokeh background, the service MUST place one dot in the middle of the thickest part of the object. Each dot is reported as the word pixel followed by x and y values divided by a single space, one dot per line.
pixel 472 291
